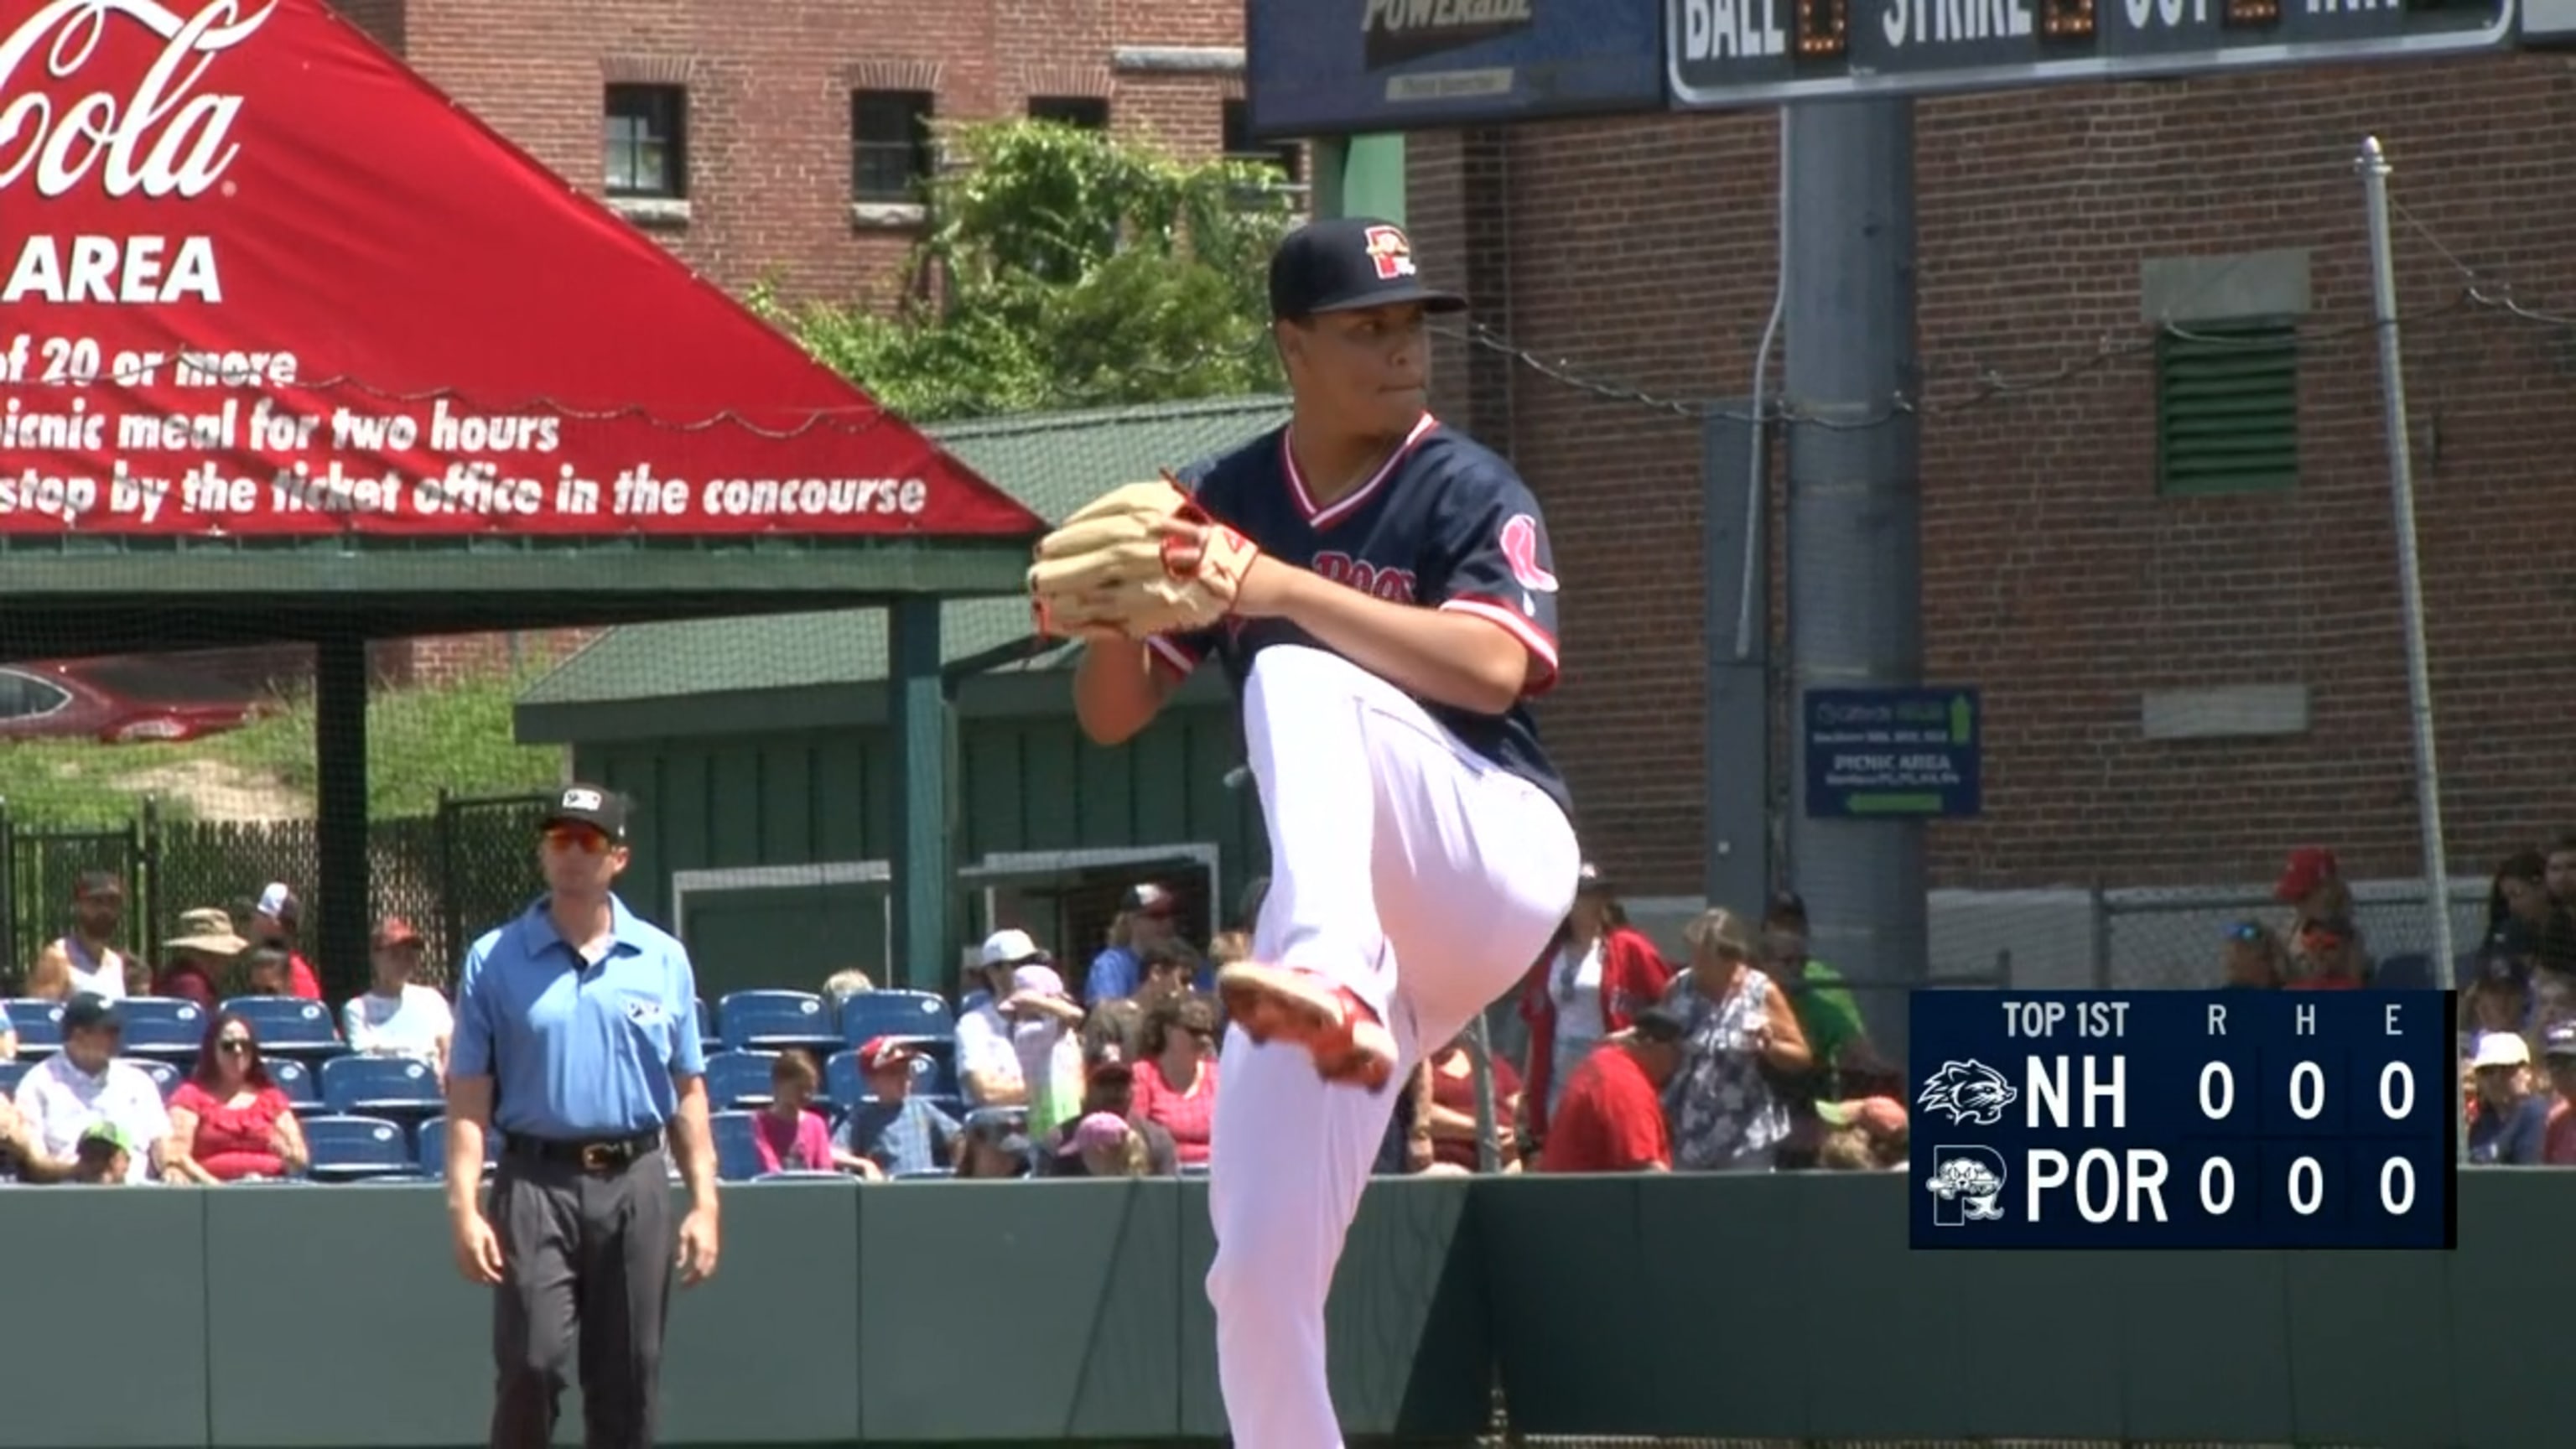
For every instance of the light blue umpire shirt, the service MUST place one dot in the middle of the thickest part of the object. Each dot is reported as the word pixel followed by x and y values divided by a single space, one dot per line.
pixel 575 1052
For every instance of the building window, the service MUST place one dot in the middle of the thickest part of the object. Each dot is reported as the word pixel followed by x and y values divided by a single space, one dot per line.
pixel 2227 408
pixel 1089 113
pixel 890 145
pixel 648 141
pixel 1239 145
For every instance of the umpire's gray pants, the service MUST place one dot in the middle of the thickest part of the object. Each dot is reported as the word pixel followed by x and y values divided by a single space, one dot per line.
pixel 586 1282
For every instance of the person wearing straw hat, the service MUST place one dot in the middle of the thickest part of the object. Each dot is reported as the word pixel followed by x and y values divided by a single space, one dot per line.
pixel 194 961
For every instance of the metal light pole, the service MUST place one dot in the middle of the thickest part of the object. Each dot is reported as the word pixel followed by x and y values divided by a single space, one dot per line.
pixel 2374 168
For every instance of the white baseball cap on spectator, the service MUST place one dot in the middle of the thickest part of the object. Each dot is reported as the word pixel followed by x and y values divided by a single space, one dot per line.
pixel 1012 947
pixel 2501 1049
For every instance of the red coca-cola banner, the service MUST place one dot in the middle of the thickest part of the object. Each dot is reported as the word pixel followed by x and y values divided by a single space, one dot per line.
pixel 262 279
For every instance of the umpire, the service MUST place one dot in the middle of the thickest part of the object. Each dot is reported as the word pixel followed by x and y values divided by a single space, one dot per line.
pixel 577 1037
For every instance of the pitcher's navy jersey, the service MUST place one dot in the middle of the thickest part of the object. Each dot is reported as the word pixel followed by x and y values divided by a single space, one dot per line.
pixel 1443 523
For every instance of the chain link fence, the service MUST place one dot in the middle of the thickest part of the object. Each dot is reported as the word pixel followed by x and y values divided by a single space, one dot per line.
pixel 451 874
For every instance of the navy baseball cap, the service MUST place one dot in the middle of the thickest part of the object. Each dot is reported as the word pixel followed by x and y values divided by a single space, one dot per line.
pixel 1346 263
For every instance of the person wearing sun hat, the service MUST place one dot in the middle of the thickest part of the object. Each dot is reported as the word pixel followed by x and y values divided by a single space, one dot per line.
pixel 194 962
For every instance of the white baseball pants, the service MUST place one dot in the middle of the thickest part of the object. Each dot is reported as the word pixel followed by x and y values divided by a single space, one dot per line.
pixel 1425 879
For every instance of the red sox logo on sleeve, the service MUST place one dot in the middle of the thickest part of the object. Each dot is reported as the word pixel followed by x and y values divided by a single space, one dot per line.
pixel 1392 254
pixel 1520 550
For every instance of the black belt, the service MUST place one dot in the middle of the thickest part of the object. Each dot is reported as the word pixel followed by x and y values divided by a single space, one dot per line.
pixel 590 1154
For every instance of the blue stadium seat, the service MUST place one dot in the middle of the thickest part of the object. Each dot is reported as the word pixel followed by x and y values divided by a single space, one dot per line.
pixel 346 1149
pixel 430 1147
pixel 164 1074
pixel 895 1013
pixel 708 1038
pixel 380 1086
pixel 737 1146
pixel 765 1020
pixel 11 1074
pixel 38 1023
pixel 165 1028
pixel 738 1079
pixel 295 1079
pixel 288 1026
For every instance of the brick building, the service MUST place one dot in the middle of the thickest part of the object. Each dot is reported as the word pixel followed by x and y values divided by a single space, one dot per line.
pixel 2185 618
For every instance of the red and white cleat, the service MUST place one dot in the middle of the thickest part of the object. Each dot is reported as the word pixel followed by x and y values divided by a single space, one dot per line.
pixel 1347 1040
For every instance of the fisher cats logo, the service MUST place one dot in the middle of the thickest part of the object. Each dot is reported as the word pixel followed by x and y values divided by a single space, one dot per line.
pixel 150 134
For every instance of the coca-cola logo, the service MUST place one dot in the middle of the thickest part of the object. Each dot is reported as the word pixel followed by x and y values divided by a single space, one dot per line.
pixel 158 139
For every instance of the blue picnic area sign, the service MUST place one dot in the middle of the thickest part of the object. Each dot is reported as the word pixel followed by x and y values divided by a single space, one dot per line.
pixel 1892 753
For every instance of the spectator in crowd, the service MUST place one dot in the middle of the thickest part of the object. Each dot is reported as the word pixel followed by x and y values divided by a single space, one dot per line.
pixel 2508 1121
pixel 1113 1031
pixel 2496 997
pixel 276 921
pixel 195 962
pixel 2553 972
pixel 268 971
pixel 2331 957
pixel 229 1122
pixel 1862 1135
pixel 8 1037
pixel 1741 1038
pixel 1826 1009
pixel 2312 886
pixel 995 1148
pixel 104 1157
pixel 791 1135
pixel 1610 1117
pixel 1447 1120
pixel 1168 967
pixel 20 1159
pixel 2253 958
pixel 85 1084
pixel 1589 982
pixel 1235 945
pixel 841 985
pixel 2519 892
pixel 1176 1075
pixel 2558 1139
pixel 396 1016
pixel 85 959
pixel 1046 1025
pixel 987 1066
pixel 1144 919
pixel 891 1131
pixel 2558 871
pixel 1111 1087
pixel 1102 1144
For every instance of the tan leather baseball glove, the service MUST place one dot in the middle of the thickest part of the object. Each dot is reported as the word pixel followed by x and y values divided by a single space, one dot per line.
pixel 1114 565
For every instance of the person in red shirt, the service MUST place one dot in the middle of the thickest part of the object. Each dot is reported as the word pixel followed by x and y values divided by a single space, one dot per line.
pixel 229 1120
pixel 1176 1076
pixel 1586 986
pixel 1611 1116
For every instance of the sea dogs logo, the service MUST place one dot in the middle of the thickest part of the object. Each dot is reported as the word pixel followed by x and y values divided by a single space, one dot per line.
pixel 1390 252
pixel 1969 1093
pixel 1397 31
pixel 1967 1186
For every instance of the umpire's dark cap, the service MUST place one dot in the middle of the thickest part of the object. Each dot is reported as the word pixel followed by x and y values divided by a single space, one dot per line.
pixel 1346 263
pixel 596 806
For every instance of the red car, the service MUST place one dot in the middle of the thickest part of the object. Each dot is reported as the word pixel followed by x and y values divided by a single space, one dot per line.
pixel 118 700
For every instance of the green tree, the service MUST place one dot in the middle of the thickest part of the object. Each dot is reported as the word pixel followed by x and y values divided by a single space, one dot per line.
pixel 1066 268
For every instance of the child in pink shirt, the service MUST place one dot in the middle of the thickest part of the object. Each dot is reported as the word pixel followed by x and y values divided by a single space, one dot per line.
pixel 793 1138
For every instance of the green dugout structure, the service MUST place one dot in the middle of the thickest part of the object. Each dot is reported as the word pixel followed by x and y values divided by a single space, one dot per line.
pixel 1778 1308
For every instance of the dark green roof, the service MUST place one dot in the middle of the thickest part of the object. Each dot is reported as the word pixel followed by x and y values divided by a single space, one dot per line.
pixel 1053 462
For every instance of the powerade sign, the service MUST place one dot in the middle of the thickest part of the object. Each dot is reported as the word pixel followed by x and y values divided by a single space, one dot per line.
pixel 1343 67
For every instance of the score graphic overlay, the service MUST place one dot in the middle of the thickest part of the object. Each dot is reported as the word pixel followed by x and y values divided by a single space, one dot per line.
pixel 2183 1119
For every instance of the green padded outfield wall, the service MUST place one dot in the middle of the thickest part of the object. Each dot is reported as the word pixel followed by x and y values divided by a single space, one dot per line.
pixel 1031 1313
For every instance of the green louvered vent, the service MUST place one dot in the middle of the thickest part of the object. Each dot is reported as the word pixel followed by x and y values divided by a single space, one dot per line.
pixel 2227 409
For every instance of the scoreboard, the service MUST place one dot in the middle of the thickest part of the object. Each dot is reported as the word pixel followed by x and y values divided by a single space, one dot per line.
pixel 1759 52
pixel 2184 1119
